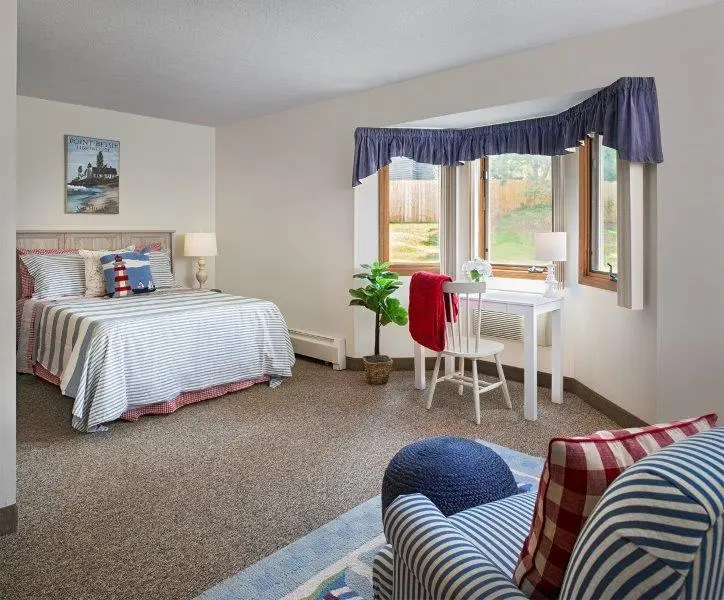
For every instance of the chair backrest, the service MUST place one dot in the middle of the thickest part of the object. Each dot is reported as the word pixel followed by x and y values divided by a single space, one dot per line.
pixel 658 530
pixel 463 334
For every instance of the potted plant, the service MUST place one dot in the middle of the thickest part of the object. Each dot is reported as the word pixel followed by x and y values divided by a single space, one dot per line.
pixel 377 297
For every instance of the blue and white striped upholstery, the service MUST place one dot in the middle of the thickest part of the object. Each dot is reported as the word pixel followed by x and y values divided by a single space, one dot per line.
pixel 657 530
pixel 468 555
pixel 500 539
pixel 382 569
pixel 706 577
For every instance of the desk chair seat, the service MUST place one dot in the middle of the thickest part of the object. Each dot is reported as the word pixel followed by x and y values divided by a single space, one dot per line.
pixel 463 341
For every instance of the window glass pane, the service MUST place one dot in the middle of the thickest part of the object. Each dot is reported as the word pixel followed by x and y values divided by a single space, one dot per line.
pixel 604 213
pixel 520 204
pixel 414 204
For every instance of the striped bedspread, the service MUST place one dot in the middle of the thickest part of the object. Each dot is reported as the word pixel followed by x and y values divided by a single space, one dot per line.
pixel 115 354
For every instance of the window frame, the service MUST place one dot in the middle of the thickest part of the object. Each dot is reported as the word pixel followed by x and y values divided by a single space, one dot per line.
pixel 501 270
pixel 383 183
pixel 586 274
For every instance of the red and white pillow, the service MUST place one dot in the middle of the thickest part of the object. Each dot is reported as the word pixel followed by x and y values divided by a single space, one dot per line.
pixel 576 474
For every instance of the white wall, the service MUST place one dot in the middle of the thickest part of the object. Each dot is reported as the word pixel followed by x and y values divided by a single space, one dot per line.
pixel 613 349
pixel 285 209
pixel 8 59
pixel 167 173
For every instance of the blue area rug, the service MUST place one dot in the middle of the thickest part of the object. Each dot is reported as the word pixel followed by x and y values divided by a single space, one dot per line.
pixel 335 561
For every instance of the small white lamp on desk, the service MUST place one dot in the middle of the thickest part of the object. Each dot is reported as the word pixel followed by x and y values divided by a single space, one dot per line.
pixel 200 245
pixel 551 247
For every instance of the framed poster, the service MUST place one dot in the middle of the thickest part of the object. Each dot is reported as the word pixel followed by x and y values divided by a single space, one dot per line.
pixel 92 175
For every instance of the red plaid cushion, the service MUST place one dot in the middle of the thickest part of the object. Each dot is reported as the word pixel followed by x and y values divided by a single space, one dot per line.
pixel 155 247
pixel 26 281
pixel 576 474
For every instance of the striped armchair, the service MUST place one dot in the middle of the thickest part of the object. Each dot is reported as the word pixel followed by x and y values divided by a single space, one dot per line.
pixel 658 531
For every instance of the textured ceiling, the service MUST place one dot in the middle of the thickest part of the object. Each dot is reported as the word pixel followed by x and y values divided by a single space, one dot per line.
pixel 217 61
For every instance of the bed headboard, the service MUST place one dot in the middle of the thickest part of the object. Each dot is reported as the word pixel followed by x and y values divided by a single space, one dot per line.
pixel 91 240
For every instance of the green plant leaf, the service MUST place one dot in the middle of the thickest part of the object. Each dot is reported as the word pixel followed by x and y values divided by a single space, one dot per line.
pixel 377 295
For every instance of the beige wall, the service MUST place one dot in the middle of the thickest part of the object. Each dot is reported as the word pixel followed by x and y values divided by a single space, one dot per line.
pixel 285 210
pixel 8 58
pixel 167 172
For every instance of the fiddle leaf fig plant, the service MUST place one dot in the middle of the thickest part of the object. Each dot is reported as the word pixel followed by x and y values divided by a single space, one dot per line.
pixel 377 297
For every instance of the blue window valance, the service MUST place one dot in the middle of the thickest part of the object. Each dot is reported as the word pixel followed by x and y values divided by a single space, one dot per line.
pixel 625 114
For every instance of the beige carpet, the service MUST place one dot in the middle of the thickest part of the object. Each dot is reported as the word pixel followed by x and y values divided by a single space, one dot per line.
pixel 169 506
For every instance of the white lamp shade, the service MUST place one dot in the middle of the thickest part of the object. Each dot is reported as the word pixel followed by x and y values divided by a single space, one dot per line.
pixel 550 246
pixel 200 244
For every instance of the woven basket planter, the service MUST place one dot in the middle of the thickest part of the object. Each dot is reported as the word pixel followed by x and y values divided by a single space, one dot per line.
pixel 377 369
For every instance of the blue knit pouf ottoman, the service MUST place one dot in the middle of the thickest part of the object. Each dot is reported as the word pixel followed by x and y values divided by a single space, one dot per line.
pixel 455 473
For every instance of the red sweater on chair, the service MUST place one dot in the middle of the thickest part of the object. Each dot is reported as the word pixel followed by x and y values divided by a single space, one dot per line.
pixel 428 310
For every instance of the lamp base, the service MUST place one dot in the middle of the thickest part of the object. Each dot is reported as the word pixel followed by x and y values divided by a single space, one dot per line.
pixel 551 290
pixel 201 274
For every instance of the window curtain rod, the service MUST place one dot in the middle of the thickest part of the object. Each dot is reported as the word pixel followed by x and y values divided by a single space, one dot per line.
pixel 625 114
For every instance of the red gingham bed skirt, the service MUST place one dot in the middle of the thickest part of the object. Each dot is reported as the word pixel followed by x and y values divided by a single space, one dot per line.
pixel 166 408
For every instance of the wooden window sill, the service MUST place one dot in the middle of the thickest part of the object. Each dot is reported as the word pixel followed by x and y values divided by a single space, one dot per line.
pixel 517 272
pixel 598 280
pixel 407 269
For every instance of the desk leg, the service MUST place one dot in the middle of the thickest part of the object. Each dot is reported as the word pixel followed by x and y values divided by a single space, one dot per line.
pixel 530 351
pixel 419 354
pixel 557 356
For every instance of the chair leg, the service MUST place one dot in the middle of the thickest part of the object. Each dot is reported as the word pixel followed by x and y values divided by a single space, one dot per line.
pixel 462 372
pixel 433 383
pixel 476 391
pixel 501 376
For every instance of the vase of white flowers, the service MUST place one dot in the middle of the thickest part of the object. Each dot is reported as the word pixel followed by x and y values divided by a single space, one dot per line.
pixel 478 269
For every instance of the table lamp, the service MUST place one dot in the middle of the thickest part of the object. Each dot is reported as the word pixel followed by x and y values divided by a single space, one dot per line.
pixel 550 247
pixel 201 245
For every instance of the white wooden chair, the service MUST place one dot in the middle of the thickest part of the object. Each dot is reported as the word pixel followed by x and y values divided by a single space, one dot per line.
pixel 463 341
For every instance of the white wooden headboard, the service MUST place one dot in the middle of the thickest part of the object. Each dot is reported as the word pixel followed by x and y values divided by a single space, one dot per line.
pixel 92 240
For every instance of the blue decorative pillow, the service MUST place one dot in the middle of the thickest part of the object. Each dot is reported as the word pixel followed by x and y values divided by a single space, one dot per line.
pixel 127 273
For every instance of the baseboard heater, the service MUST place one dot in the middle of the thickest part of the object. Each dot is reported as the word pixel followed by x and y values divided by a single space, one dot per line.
pixel 322 347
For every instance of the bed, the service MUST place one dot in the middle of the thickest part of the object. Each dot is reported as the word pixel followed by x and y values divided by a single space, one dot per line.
pixel 121 358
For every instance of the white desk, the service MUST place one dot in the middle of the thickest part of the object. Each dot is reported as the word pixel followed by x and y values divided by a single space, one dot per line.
pixel 530 306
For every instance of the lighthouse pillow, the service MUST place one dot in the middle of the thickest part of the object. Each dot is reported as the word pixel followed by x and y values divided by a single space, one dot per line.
pixel 127 273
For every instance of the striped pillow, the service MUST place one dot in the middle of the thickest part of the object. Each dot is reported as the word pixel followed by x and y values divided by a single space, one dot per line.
pixel 576 474
pixel 26 281
pixel 55 275
pixel 161 270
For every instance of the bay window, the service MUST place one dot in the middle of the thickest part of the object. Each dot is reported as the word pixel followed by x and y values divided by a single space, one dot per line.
pixel 410 199
pixel 598 196
pixel 515 203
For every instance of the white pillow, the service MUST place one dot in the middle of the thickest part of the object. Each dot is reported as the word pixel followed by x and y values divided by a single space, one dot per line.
pixel 161 270
pixel 55 275
pixel 95 281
